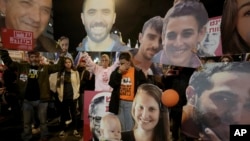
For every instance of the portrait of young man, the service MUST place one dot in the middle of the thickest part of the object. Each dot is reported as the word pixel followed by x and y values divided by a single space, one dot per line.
pixel 184 27
pixel 98 17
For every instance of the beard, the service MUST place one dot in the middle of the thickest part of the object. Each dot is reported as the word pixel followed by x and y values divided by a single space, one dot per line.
pixel 209 119
pixel 98 38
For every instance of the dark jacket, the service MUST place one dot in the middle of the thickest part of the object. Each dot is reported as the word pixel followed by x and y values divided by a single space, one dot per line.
pixel 84 79
pixel 23 69
pixel 115 83
pixel 178 82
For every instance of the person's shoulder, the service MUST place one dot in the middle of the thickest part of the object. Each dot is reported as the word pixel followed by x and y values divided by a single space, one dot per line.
pixel 119 47
pixel 137 69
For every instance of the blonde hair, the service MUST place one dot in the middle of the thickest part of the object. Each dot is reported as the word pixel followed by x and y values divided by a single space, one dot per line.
pixel 105 56
pixel 108 117
pixel 103 123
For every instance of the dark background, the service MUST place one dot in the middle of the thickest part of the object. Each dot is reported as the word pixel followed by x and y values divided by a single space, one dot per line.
pixel 130 17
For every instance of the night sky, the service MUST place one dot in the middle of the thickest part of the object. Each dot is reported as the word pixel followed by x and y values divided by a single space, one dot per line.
pixel 131 15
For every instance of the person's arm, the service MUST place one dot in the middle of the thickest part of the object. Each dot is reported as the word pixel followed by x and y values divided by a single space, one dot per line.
pixel 7 60
pixel 115 64
pixel 92 67
pixel 115 78
pixel 56 67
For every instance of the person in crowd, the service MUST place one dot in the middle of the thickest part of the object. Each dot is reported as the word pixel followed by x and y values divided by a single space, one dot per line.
pixel 216 100
pixel 150 115
pixel 84 79
pixel 178 82
pixel 68 93
pixel 150 44
pixel 10 84
pixel 226 58
pixel 234 27
pixel 102 72
pixel 211 60
pixel 2 69
pixel 124 80
pixel 98 18
pixel 97 109
pixel 63 42
pixel 169 74
pixel 30 16
pixel 184 27
pixel 84 75
pixel 110 128
pixel 34 89
pixel 9 105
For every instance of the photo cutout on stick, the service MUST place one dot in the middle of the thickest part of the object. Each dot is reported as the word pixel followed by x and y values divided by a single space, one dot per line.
pixel 184 27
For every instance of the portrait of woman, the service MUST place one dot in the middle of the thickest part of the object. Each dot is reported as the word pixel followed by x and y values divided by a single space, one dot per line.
pixel 150 116
pixel 235 31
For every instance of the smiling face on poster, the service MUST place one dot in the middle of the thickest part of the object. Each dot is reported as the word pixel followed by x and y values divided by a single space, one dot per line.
pixel 211 44
pixel 219 95
pixel 183 30
pixel 28 16
pixel 98 18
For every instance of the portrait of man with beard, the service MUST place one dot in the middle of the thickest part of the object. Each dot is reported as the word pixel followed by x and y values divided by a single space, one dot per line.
pixel 218 96
pixel 98 17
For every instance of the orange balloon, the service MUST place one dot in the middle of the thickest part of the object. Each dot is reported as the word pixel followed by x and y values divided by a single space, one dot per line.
pixel 170 98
